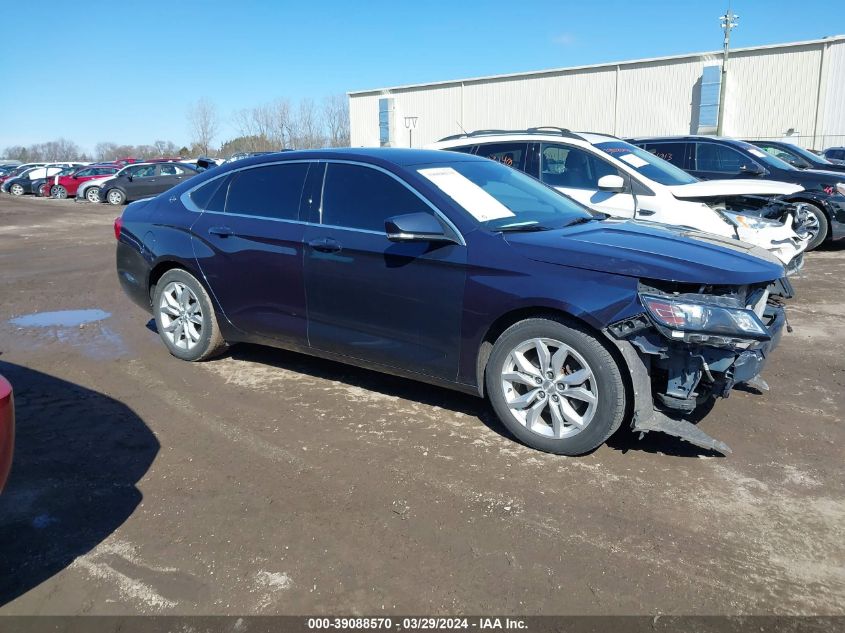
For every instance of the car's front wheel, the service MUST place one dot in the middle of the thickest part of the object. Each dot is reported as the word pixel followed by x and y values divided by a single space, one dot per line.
pixel 92 194
pixel 555 386
pixel 185 317
pixel 823 226
pixel 16 190
pixel 116 197
pixel 58 191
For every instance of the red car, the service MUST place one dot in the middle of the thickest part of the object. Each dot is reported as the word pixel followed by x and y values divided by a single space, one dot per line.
pixel 66 186
pixel 7 429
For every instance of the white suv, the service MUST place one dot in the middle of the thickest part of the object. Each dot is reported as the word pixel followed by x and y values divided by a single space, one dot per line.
pixel 607 174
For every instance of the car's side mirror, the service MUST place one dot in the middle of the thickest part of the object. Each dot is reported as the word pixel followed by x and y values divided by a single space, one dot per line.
pixel 612 183
pixel 753 169
pixel 128 177
pixel 415 227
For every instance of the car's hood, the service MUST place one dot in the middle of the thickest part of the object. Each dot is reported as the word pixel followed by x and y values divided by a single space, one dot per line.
pixel 738 187
pixel 653 251
pixel 824 176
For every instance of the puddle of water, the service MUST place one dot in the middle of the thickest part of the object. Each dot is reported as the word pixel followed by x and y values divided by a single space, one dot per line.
pixel 62 318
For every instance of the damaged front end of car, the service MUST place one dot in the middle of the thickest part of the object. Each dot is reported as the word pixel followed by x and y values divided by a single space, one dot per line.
pixel 694 343
pixel 782 227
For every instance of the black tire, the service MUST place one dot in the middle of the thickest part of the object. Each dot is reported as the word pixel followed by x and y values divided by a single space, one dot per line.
pixel 115 197
pixel 59 192
pixel 16 190
pixel 92 194
pixel 610 401
pixel 824 226
pixel 210 341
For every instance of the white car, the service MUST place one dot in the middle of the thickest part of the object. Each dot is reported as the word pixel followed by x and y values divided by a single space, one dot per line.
pixel 90 189
pixel 609 175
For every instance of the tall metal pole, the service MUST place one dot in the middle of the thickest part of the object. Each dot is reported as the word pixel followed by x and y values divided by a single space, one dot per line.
pixel 729 21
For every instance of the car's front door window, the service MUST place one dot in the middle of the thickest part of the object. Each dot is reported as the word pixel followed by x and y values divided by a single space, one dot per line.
pixel 720 158
pixel 573 167
pixel 576 172
pixel 359 197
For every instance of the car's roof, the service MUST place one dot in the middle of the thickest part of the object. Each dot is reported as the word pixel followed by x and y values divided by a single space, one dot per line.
pixel 531 134
pixel 401 156
pixel 688 137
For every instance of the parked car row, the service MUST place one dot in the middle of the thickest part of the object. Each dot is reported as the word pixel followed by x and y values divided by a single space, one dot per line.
pixel 574 307
pixel 115 182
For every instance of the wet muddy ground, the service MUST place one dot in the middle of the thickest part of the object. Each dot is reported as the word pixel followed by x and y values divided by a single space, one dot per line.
pixel 268 482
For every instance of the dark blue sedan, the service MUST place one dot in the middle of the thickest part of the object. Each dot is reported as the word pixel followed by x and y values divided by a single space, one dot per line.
pixel 461 272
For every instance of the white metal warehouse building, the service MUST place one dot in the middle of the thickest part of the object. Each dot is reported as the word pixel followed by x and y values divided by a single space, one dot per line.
pixel 792 90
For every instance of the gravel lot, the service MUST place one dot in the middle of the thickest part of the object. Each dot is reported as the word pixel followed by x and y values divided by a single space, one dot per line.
pixel 268 482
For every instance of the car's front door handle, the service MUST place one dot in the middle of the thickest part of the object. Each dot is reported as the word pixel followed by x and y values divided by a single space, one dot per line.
pixel 325 245
pixel 645 212
pixel 222 231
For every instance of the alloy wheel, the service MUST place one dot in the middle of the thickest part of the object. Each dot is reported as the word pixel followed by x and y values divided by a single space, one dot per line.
pixel 93 194
pixel 59 192
pixel 549 388
pixel 16 190
pixel 181 315
pixel 115 197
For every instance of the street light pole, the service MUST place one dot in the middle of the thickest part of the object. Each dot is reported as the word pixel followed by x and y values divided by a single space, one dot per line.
pixel 729 21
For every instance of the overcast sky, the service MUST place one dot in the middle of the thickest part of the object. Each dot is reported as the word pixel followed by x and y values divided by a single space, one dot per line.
pixel 127 72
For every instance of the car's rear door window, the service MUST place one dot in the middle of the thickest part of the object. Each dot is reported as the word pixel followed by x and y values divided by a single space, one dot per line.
pixel 463 149
pixel 268 191
pixel 674 153
pixel 359 197
pixel 212 195
pixel 510 154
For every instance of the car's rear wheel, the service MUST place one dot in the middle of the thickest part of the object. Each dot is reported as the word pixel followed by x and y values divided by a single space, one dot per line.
pixel 58 191
pixel 116 197
pixel 185 317
pixel 92 194
pixel 823 226
pixel 555 386
pixel 16 190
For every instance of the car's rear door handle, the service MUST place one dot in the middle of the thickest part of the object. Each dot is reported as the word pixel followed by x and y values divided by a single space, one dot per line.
pixel 325 245
pixel 222 231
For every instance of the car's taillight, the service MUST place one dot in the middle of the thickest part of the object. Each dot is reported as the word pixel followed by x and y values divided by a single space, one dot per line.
pixel 118 224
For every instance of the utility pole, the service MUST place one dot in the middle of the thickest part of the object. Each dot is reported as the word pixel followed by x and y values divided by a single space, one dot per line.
pixel 729 21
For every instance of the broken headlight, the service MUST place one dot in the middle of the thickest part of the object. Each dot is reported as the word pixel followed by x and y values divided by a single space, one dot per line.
pixel 751 221
pixel 705 323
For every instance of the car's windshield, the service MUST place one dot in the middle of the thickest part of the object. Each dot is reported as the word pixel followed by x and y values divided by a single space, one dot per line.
pixel 502 198
pixel 647 164
pixel 765 157
pixel 811 158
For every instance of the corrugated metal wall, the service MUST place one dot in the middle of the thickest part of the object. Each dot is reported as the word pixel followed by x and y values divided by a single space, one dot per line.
pixel 770 91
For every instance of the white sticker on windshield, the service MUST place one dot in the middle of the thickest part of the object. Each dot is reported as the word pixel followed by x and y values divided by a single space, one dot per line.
pixel 480 204
pixel 757 153
pixel 634 160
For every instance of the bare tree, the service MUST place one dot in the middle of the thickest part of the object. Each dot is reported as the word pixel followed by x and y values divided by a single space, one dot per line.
pixel 281 124
pixel 255 128
pixel 203 121
pixel 336 120
pixel 307 129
